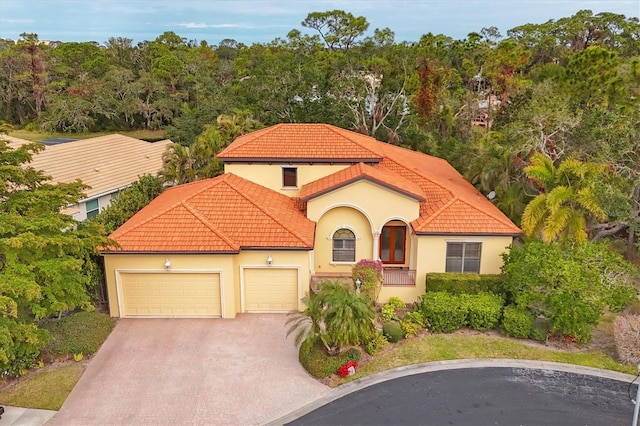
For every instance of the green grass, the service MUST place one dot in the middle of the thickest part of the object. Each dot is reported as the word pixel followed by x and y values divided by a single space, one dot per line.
pixel 46 389
pixel 42 136
pixel 456 346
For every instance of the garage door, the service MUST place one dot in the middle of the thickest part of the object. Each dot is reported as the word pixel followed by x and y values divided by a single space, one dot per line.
pixel 270 290
pixel 170 295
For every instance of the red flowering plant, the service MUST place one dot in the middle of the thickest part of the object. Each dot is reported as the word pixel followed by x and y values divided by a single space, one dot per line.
pixel 348 369
pixel 369 273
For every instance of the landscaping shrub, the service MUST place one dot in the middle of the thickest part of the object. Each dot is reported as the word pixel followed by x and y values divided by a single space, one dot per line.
pixel 81 332
pixel 20 345
pixel 374 345
pixel 392 331
pixel 409 328
pixel 396 302
pixel 443 312
pixel 457 283
pixel 517 322
pixel 626 332
pixel 369 272
pixel 484 310
pixel 315 360
pixel 415 317
pixel 387 312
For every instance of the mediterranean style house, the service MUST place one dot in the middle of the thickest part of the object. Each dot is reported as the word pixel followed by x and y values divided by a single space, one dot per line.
pixel 298 203
pixel 107 164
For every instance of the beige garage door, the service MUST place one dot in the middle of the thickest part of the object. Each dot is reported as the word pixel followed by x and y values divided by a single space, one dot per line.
pixel 270 290
pixel 170 295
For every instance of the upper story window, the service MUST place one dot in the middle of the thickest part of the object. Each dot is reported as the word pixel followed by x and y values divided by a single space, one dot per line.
pixel 463 257
pixel 289 177
pixel 344 246
pixel 93 208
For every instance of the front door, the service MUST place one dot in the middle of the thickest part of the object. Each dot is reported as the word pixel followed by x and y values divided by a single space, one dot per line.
pixel 392 244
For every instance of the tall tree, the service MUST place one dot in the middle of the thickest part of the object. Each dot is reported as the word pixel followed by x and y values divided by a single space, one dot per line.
pixel 337 28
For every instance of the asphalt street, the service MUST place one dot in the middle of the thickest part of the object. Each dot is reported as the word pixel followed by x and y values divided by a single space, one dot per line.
pixel 482 396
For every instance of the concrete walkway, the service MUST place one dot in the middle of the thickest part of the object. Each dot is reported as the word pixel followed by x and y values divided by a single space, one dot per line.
pixel 18 416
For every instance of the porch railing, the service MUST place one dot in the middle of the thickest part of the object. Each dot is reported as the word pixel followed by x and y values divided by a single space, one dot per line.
pixel 399 277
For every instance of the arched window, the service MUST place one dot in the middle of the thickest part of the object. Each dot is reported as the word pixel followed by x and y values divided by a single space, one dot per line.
pixel 344 246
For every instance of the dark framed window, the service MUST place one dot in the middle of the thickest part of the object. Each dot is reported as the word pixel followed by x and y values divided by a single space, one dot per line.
pixel 344 246
pixel 463 257
pixel 93 208
pixel 289 177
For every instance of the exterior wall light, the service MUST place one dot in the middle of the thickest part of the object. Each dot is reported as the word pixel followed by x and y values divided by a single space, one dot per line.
pixel 269 260
pixel 358 285
pixel 167 264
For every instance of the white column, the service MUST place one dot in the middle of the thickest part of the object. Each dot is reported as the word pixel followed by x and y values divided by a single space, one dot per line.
pixel 376 245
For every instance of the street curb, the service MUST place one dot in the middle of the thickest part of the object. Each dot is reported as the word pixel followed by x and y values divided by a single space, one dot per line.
pixel 429 367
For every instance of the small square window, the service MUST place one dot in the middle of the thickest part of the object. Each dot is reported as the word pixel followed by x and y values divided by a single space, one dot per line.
pixel 289 177
pixel 93 208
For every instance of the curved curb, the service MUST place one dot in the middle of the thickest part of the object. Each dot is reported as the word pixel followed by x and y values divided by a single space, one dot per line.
pixel 429 367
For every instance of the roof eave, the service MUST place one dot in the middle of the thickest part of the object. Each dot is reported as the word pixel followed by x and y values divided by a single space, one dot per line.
pixel 168 252
pixel 474 234
pixel 293 160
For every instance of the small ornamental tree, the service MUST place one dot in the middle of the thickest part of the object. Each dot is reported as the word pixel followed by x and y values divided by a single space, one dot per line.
pixel 370 274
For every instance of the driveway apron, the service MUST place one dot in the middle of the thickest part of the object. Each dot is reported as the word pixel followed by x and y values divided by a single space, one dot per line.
pixel 191 371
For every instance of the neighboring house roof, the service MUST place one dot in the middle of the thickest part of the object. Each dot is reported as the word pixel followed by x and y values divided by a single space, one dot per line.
pixel 359 172
pixel 14 142
pixel 223 214
pixel 451 204
pixel 105 163
pixel 300 143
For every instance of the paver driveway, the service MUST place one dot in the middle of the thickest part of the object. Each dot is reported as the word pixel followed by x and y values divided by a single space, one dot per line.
pixel 191 371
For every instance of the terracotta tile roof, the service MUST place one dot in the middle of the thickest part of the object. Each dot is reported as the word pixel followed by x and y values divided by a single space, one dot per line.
pixel 223 214
pixel 358 172
pixel 105 163
pixel 291 142
pixel 451 204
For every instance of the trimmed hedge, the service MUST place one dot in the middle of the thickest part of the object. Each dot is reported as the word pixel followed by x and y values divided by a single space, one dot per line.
pixel 392 331
pixel 484 310
pixel 80 332
pixel 314 359
pixel 445 312
pixel 457 283
pixel 517 322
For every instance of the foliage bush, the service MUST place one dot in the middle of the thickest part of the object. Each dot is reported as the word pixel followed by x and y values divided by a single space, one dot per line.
pixel 388 310
pixel 315 360
pixel 626 332
pixel 369 272
pixel 392 331
pixel 20 345
pixel 443 312
pixel 374 345
pixel 416 317
pixel 409 328
pixel 569 285
pixel 484 310
pixel 517 322
pixel 80 332
pixel 458 283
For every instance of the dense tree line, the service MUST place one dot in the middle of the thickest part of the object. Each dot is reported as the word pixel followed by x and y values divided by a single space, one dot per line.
pixel 567 89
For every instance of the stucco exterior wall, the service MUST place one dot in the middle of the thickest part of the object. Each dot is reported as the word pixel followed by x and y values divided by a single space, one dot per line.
pixel 430 256
pixel 332 220
pixel 380 204
pixel 270 175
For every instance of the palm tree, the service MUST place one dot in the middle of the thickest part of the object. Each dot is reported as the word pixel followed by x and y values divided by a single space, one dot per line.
pixel 567 201
pixel 177 164
pixel 335 316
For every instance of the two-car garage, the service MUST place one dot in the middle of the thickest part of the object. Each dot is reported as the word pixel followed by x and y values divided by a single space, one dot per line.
pixel 201 294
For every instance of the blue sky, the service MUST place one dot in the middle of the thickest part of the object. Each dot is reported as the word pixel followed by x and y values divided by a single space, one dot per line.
pixel 261 21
